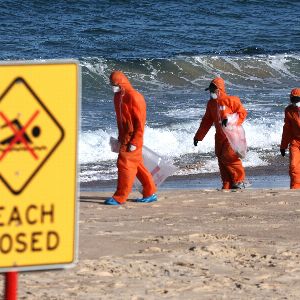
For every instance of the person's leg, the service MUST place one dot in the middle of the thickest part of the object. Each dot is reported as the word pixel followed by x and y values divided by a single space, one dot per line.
pixel 232 164
pixel 146 179
pixel 127 169
pixel 225 176
pixel 294 169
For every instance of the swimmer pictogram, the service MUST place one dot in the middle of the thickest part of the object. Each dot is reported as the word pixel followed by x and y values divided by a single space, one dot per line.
pixel 29 134
pixel 19 135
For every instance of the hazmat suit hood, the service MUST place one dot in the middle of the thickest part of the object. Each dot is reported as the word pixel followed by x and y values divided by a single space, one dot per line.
pixel 295 92
pixel 295 96
pixel 220 84
pixel 119 78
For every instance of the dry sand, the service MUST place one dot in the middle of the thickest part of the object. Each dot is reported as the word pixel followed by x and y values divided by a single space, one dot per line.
pixel 189 245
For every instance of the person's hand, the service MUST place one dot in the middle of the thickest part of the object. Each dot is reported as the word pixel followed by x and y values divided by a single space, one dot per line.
pixel 282 151
pixel 195 142
pixel 224 122
pixel 131 148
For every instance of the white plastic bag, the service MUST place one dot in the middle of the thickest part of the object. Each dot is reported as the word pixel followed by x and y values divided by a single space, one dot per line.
pixel 236 135
pixel 114 145
pixel 159 167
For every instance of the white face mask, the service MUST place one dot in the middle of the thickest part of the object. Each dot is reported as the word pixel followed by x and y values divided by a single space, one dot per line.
pixel 297 104
pixel 116 89
pixel 213 96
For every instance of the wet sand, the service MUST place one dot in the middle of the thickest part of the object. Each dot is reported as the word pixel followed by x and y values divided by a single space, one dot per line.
pixel 204 244
pixel 274 175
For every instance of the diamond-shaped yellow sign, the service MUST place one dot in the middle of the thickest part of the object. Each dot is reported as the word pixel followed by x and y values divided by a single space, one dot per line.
pixel 29 134
pixel 39 112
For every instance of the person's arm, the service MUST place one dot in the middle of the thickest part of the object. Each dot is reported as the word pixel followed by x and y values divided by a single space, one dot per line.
pixel 206 123
pixel 138 119
pixel 287 132
pixel 237 107
pixel 117 109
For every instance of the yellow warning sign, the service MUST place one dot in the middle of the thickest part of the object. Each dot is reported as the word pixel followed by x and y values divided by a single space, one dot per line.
pixel 39 103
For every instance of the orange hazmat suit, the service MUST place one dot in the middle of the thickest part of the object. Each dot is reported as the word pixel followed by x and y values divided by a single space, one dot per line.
pixel 291 138
pixel 130 108
pixel 231 168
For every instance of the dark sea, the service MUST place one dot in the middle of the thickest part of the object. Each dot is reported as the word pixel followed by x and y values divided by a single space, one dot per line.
pixel 170 50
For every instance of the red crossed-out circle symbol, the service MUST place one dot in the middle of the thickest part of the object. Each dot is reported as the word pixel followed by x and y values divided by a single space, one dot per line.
pixel 19 135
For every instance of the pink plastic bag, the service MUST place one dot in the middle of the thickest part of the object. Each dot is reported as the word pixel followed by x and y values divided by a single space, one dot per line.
pixel 236 135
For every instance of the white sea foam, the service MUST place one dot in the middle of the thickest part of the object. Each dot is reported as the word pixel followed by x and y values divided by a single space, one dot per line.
pixel 94 147
pixel 96 175
pixel 173 143
pixel 210 166
pixel 262 136
pixel 181 113
pixel 253 159
pixel 177 140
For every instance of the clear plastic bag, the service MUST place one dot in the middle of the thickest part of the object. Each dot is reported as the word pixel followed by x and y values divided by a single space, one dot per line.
pixel 160 167
pixel 236 135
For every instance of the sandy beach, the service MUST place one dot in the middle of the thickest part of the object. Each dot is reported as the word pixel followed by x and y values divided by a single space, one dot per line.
pixel 204 244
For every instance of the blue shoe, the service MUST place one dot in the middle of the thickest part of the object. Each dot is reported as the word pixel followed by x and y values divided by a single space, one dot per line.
pixel 149 199
pixel 111 201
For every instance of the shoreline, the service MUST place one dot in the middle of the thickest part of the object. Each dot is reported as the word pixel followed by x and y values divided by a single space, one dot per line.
pixel 262 177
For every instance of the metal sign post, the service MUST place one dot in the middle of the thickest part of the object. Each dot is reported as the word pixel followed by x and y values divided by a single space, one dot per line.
pixel 11 286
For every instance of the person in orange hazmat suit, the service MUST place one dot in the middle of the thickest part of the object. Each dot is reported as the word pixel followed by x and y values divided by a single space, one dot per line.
pixel 130 108
pixel 218 109
pixel 291 137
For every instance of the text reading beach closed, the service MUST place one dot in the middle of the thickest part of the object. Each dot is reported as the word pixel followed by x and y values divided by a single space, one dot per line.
pixel 38 172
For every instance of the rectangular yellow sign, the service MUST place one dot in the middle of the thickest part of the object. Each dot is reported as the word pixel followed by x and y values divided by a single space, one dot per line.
pixel 39 111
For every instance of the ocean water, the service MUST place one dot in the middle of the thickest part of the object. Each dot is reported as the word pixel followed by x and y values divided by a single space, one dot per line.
pixel 170 50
